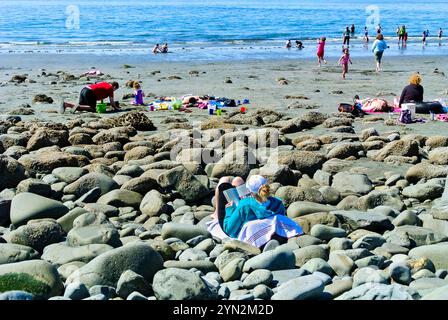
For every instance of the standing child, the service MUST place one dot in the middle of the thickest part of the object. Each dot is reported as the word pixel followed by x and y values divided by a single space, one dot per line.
pixel 321 51
pixel 344 60
pixel 138 100
pixel 366 35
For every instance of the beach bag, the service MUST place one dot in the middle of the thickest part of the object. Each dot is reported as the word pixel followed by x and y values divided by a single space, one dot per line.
pixel 345 107
pixel 405 116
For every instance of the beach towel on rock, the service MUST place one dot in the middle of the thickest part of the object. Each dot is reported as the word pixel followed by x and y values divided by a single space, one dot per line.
pixel 259 232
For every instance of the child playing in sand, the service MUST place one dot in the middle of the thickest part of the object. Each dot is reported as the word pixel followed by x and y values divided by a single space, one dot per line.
pixel 344 60
pixel 138 100
pixel 321 51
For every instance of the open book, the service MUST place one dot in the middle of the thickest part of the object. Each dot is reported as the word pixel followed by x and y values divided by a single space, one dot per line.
pixel 237 193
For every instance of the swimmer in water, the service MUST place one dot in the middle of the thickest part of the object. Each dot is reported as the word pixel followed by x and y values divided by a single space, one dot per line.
pixel 299 45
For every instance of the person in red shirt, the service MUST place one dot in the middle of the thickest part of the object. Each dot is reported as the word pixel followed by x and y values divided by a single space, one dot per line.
pixel 91 94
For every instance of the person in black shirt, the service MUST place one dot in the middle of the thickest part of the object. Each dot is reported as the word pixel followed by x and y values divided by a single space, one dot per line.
pixel 412 93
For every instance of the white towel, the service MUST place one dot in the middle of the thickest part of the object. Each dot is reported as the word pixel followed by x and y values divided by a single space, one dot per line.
pixel 259 232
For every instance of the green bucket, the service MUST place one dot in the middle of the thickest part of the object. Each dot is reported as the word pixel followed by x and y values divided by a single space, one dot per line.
pixel 101 107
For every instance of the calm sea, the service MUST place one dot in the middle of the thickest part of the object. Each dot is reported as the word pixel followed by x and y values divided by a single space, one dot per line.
pixel 216 29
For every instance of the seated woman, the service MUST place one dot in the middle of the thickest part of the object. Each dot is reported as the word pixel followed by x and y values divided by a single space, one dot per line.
pixel 413 95
pixel 256 219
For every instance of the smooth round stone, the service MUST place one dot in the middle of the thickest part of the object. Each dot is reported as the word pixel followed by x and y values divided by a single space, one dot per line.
pixel 131 170
pixel 232 270
pixel 318 264
pixel 94 234
pixel 121 198
pixel 302 288
pixel 180 284
pixel 340 244
pixel 107 210
pixel 68 268
pixel 258 277
pixel 10 253
pixel 28 206
pixel 35 186
pixel 40 278
pixel 400 273
pixel 16 295
pixel 136 296
pixel 262 291
pixel 326 232
pixel 89 181
pixel 61 253
pixel 424 273
pixel 130 282
pixel 76 291
pixel 107 268
pixel 377 291
pixel 183 231
pixel 108 292
pixel 307 240
pixel 367 275
pixel 341 264
pixel 69 174
pixel 271 260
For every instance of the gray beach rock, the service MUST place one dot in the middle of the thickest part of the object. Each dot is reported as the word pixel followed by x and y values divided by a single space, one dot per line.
pixel 28 206
pixel 180 284
pixel 303 288
pixel 11 253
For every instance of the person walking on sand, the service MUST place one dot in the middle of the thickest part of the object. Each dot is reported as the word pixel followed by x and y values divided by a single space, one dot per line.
pixel 346 37
pixel 344 60
pixel 91 94
pixel 378 48
pixel 321 51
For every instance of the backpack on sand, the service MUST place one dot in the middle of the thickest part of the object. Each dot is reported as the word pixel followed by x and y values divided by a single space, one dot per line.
pixel 405 116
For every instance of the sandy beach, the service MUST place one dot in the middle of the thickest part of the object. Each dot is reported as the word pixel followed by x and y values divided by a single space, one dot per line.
pixel 307 87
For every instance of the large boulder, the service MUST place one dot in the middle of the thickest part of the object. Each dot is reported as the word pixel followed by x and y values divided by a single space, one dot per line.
pixel 347 183
pixel 46 162
pixel 439 156
pixel 28 206
pixel 377 291
pixel 107 268
pixel 427 171
pixel 423 191
pixel 60 253
pixel 99 234
pixel 11 172
pixel 46 138
pixel 188 185
pixel 373 221
pixel 180 284
pixel 290 194
pixel 121 198
pixel 437 253
pixel 89 181
pixel 271 260
pixel 302 288
pixel 37 235
pixel 10 253
pixel 153 204
pixel 404 148
pixel 183 231
pixel 37 277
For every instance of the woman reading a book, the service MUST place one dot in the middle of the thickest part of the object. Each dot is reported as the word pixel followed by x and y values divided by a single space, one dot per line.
pixel 256 218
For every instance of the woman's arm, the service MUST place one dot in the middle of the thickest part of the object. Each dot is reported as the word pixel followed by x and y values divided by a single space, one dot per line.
pixel 403 94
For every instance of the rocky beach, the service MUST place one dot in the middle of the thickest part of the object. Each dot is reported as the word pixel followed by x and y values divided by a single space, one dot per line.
pixel 114 206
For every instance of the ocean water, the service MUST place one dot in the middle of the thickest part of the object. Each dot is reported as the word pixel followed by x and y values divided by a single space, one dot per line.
pixel 216 29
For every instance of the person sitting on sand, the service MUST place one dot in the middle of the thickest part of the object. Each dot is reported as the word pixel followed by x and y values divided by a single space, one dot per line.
pixel 91 94
pixel 256 219
pixel 156 49
pixel 139 94
pixel 164 48
pixel 412 93
pixel 378 47
pixel 299 45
